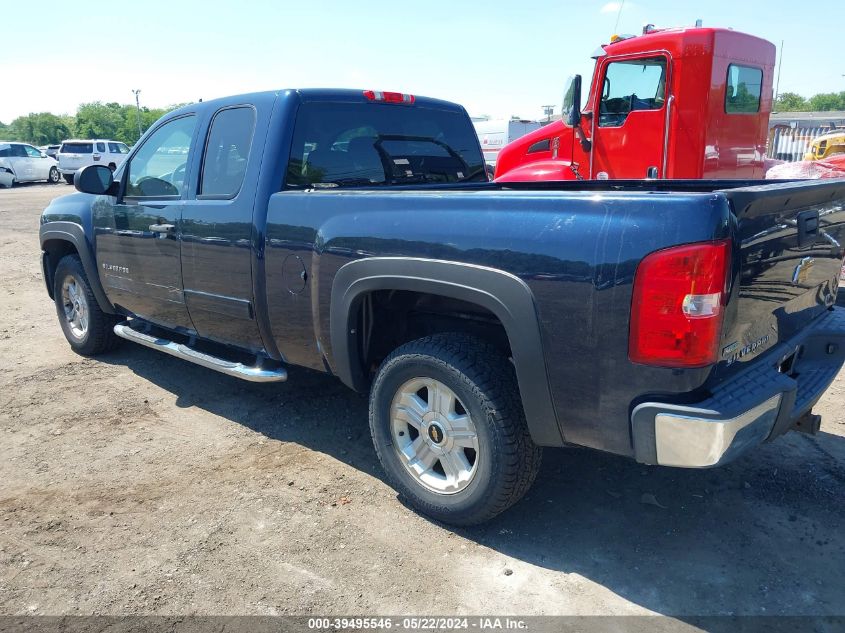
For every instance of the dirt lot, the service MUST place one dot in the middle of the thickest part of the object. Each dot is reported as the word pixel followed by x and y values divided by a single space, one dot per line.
pixel 139 483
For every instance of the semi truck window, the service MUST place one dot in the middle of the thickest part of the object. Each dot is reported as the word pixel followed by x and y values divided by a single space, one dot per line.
pixel 226 152
pixel 158 168
pixel 742 90
pixel 373 144
pixel 637 84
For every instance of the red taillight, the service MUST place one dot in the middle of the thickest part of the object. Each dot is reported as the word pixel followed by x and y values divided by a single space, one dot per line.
pixel 389 97
pixel 677 307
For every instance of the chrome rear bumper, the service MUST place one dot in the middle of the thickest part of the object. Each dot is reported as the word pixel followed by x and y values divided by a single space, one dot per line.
pixel 751 407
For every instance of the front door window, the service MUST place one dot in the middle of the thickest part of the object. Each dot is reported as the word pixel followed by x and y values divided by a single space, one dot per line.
pixel 158 168
pixel 629 85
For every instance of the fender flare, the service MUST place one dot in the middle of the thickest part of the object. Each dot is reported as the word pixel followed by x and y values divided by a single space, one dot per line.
pixel 503 294
pixel 73 233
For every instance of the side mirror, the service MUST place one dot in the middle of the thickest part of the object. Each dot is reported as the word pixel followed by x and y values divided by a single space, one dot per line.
pixel 43 155
pixel 572 101
pixel 96 179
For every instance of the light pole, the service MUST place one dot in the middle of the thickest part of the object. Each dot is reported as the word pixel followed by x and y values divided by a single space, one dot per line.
pixel 138 108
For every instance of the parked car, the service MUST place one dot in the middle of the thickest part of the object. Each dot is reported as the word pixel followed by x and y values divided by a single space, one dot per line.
pixel 678 323
pixel 50 150
pixel 21 162
pixel 76 154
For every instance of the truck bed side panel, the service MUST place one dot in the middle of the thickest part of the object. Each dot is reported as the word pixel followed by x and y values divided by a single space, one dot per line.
pixel 577 253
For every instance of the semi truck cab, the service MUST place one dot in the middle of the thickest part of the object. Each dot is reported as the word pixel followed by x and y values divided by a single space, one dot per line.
pixel 687 103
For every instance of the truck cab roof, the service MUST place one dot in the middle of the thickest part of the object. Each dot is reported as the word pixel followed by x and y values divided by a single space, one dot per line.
pixel 314 94
pixel 691 41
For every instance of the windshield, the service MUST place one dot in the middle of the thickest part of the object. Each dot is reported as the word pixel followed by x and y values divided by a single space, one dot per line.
pixel 366 144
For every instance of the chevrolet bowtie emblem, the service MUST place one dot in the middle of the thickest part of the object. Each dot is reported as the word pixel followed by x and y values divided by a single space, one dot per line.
pixel 802 271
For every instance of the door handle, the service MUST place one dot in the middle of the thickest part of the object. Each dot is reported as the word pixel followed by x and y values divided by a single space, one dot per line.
pixel 162 228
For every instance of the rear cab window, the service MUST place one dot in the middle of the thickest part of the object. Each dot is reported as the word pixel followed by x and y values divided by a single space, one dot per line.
pixel 77 148
pixel 743 89
pixel 345 144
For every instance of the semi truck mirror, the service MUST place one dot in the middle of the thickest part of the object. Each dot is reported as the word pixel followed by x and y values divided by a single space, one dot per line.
pixel 572 101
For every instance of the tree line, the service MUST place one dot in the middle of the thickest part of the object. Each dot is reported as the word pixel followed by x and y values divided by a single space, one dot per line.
pixel 92 120
pixel 823 102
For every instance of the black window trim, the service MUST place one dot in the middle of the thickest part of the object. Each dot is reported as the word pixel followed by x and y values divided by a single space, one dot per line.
pixel 218 196
pixel 727 84
pixel 126 164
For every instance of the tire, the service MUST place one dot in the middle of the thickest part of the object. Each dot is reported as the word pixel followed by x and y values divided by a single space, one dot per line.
pixel 54 176
pixel 112 167
pixel 88 329
pixel 68 178
pixel 504 461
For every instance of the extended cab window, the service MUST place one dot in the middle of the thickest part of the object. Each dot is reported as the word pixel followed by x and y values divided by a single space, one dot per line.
pixel 226 152
pixel 373 144
pixel 636 84
pixel 744 86
pixel 158 167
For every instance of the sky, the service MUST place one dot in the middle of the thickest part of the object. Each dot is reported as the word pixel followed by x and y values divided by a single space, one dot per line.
pixel 500 58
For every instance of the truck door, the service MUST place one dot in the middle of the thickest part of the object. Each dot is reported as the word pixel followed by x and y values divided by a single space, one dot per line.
pixel 137 233
pixel 217 232
pixel 629 127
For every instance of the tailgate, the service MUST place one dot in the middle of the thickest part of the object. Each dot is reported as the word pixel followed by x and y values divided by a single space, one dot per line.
pixel 71 161
pixel 791 238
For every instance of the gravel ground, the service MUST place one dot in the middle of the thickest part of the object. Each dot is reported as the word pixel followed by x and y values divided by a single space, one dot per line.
pixel 138 483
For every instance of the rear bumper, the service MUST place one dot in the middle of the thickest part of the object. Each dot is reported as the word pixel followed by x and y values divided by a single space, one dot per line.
pixel 68 172
pixel 752 407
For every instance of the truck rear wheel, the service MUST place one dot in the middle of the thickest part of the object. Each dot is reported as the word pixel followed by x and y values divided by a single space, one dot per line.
pixel 448 426
pixel 68 178
pixel 88 329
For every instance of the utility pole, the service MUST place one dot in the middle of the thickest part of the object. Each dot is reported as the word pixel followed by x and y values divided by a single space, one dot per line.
pixel 548 110
pixel 138 108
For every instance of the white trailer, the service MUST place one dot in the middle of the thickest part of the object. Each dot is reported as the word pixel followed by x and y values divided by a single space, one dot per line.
pixel 496 133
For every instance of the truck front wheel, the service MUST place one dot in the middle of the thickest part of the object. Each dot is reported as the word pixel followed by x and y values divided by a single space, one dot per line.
pixel 448 426
pixel 88 329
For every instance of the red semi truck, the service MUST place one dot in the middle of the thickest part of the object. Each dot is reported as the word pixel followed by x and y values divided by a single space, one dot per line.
pixel 670 103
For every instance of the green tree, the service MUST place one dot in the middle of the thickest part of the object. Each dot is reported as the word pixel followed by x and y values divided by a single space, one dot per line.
pixel 41 128
pixel 98 120
pixel 826 101
pixel 790 102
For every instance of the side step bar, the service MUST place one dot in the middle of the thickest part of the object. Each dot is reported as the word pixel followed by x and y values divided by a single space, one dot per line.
pixel 238 370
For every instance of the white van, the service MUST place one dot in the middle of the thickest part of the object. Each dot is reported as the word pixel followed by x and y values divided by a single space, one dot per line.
pixel 75 154
pixel 494 134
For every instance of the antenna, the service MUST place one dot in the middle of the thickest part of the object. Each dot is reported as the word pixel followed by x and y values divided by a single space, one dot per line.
pixel 780 63
pixel 618 15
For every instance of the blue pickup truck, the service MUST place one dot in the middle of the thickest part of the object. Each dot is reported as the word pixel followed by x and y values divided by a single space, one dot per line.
pixel 679 323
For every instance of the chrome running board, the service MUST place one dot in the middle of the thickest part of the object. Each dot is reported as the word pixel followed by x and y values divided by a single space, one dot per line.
pixel 238 370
